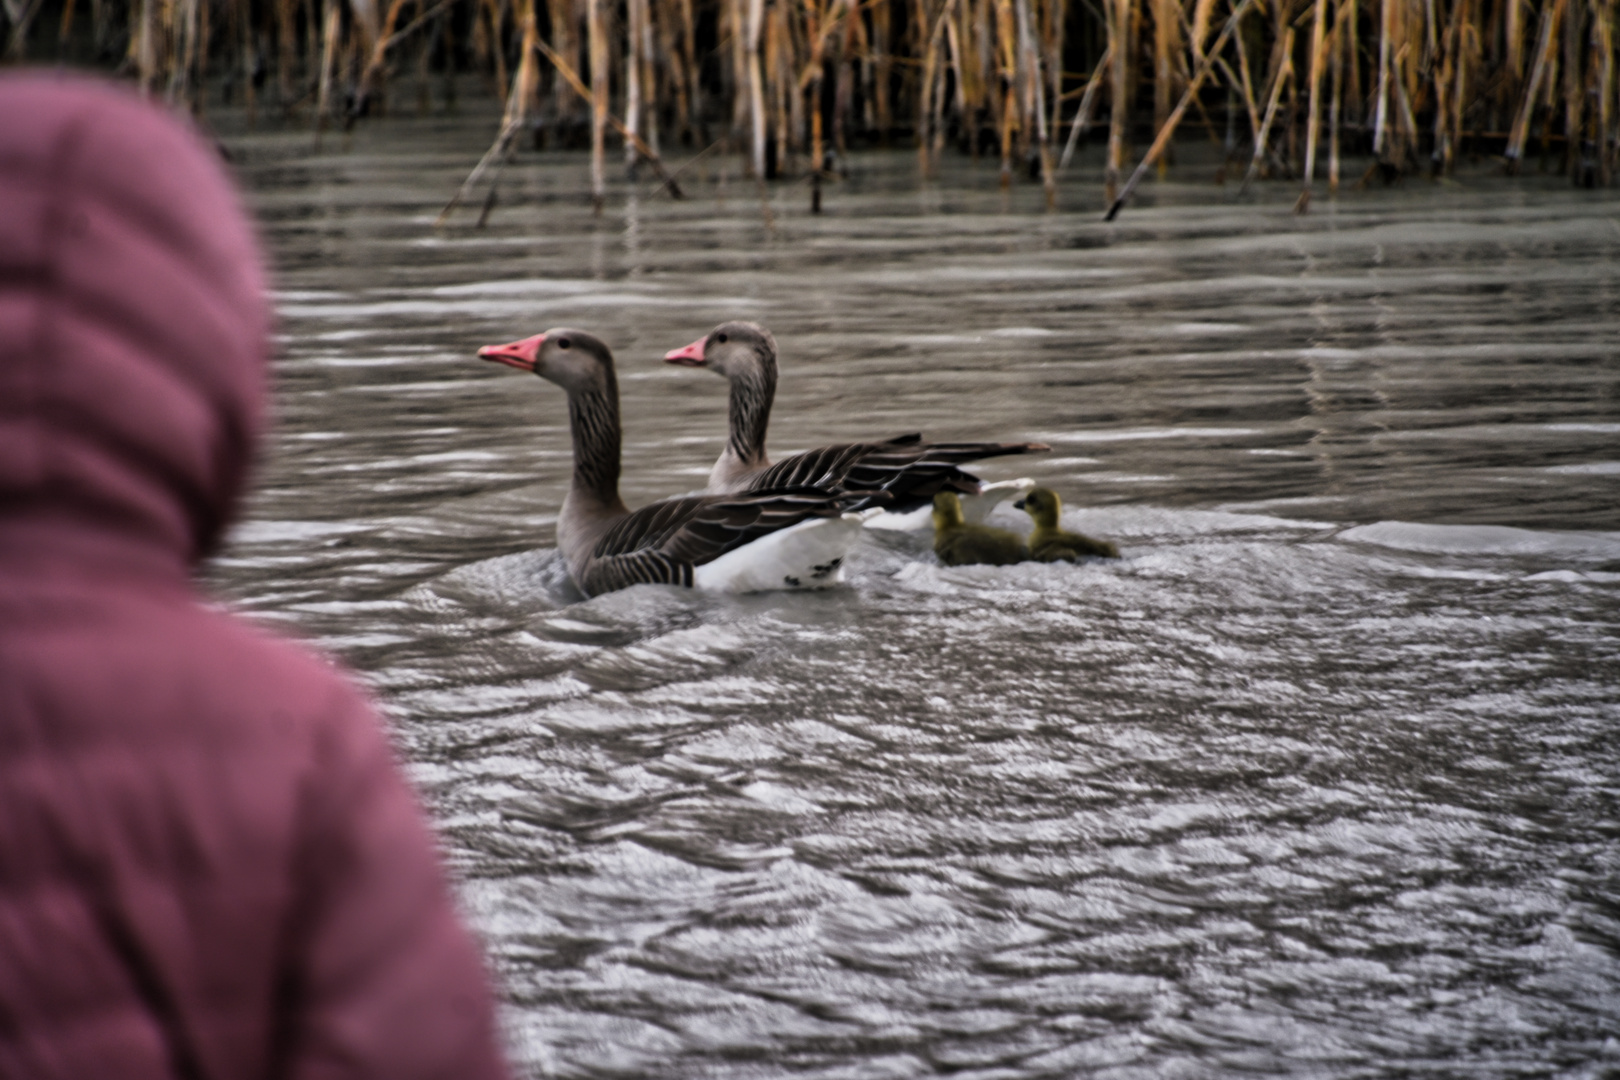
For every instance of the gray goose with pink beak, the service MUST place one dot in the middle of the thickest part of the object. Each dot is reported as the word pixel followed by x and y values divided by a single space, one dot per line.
pixel 908 469
pixel 785 537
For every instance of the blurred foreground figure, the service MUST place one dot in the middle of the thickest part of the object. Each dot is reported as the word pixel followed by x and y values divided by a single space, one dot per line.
pixel 210 866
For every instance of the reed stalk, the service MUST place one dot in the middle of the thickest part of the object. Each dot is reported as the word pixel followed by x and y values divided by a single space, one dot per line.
pixel 1574 98
pixel 1283 73
pixel 822 20
pixel 850 33
pixel 938 120
pixel 636 17
pixel 1538 69
pixel 959 69
pixel 666 47
pixel 986 103
pixel 1119 20
pixel 1513 72
pixel 287 42
pixel 329 50
pixel 689 65
pixel 781 79
pixel 734 13
pixel 565 100
pixel 1166 53
pixel 756 84
pixel 1603 64
pixel 1007 92
pixel 288 55
pixel 931 111
pixel 648 64
pixel 1314 122
pixel 1447 91
pixel 925 110
pixel 248 62
pixel 596 34
pixel 1054 16
pixel 1243 81
pixel 1386 10
pixel 1088 99
pixel 1337 47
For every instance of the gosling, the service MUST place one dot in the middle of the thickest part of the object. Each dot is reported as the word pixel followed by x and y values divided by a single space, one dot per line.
pixel 959 544
pixel 1048 542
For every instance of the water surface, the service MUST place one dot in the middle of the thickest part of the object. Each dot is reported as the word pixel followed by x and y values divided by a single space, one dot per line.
pixel 1320 780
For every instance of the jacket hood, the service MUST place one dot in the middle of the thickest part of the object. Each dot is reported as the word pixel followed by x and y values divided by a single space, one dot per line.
pixel 133 321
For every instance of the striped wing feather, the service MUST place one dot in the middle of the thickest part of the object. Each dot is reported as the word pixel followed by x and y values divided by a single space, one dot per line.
pixel 648 567
pixel 661 543
pixel 826 467
pixel 911 471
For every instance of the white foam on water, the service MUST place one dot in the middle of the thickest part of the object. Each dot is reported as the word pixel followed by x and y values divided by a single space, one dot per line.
pixel 1138 434
pixel 260 531
pixel 1595 468
pixel 1486 540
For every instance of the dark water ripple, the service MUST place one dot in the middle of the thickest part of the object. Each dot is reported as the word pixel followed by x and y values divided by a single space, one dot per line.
pixel 1320 780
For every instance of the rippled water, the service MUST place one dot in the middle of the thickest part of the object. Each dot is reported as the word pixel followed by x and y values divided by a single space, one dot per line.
pixel 1320 780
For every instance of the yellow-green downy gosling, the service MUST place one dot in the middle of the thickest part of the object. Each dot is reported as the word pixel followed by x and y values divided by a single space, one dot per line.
pixel 1049 542
pixel 959 544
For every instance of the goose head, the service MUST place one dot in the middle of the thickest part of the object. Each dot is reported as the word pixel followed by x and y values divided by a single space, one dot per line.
pixel 947 511
pixel 1043 505
pixel 734 350
pixel 574 360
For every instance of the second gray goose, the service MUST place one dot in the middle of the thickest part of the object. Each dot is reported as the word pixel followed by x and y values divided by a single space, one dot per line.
pixel 910 470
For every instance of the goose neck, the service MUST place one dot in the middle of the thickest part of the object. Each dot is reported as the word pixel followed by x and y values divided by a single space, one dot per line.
pixel 752 393
pixel 593 502
pixel 593 420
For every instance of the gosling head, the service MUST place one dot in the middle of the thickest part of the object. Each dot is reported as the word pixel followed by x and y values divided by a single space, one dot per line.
pixel 947 510
pixel 735 350
pixel 573 359
pixel 1043 505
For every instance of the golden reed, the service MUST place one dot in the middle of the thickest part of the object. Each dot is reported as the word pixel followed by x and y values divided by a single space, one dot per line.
pixel 1277 84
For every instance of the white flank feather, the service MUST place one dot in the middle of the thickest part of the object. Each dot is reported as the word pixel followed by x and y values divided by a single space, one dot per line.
pixel 809 555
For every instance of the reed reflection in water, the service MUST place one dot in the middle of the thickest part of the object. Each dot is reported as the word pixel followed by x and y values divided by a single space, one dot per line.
pixel 1320 780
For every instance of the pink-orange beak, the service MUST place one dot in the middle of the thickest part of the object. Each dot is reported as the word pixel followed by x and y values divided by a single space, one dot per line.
pixel 523 355
pixel 691 356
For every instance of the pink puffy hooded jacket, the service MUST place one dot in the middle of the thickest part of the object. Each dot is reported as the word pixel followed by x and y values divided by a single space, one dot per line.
pixel 210 865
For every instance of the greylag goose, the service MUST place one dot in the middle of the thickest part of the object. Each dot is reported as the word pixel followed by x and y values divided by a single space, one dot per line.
pixel 1049 543
pixel 958 543
pixel 910 470
pixel 789 537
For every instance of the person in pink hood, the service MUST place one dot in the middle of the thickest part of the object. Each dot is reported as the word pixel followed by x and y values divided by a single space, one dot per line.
pixel 210 864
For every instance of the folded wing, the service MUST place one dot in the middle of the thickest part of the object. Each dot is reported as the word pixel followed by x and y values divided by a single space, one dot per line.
pixel 907 470
pixel 663 543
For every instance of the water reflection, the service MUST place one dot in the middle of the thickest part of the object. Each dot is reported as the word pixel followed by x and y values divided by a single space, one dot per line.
pixel 1318 781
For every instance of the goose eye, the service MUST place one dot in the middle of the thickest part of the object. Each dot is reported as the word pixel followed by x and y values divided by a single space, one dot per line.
pixel 721 339
pixel 564 343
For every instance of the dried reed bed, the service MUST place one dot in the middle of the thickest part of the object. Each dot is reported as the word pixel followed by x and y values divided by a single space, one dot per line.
pixel 1277 84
